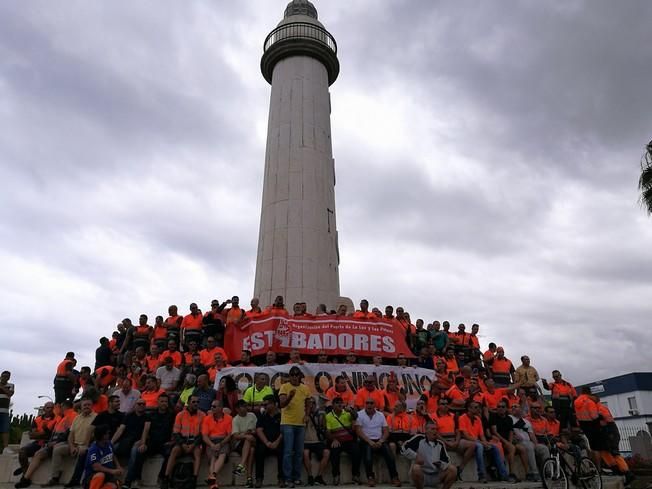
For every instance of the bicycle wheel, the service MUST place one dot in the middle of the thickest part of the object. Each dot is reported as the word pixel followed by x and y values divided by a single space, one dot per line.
pixel 588 475
pixel 552 475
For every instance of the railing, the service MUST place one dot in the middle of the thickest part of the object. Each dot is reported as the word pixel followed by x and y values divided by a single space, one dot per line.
pixel 300 30
pixel 625 433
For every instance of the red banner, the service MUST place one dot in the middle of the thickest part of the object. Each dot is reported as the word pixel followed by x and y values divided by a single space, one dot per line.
pixel 337 335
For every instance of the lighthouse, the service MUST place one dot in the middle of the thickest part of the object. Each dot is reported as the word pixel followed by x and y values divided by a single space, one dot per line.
pixel 298 254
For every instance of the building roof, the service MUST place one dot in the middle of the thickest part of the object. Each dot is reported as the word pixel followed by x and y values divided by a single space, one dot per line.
pixel 621 384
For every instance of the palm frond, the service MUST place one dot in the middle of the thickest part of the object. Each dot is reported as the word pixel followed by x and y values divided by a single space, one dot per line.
pixel 645 180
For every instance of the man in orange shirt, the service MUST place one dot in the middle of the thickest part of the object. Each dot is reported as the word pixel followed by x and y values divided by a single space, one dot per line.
pixel 234 314
pixel 187 437
pixel 489 355
pixel 401 426
pixel 588 417
pixel 369 391
pixel 392 393
pixel 255 310
pixel 173 353
pixel 563 394
pixel 364 312
pixel 192 324
pixel 471 430
pixel 340 389
pixel 42 428
pixel 457 396
pixel 153 361
pixel 173 323
pixel 160 336
pixel 216 432
pixel 208 353
pixel 502 369
pixel 277 308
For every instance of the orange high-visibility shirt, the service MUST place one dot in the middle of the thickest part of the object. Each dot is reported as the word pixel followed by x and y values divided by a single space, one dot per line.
pixel 539 425
pixel 363 394
pixel 502 366
pixel 585 408
pixel 562 389
pixel 607 417
pixel 208 356
pixel 445 424
pixel 347 396
pixel 192 323
pixel 471 427
pixel 217 428
pixel 187 424
pixel 402 422
pixel 151 398
pixel 160 332
pixel 363 315
pixel 232 315
pixel 493 398
pixel 177 359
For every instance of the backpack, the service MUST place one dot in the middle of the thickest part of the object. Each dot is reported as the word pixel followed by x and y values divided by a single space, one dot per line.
pixel 182 475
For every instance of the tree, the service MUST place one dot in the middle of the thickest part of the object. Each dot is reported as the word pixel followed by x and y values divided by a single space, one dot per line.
pixel 645 182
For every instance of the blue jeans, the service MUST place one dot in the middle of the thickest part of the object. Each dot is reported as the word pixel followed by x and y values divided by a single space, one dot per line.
pixel 495 455
pixel 292 451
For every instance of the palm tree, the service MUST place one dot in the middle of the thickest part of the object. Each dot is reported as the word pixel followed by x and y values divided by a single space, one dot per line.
pixel 645 182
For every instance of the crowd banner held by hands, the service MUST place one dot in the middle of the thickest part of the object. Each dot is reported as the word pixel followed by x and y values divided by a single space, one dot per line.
pixel 337 335
pixel 319 377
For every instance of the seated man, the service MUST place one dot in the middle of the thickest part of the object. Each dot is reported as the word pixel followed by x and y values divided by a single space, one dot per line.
pixel 58 438
pixel 502 430
pixel 313 443
pixel 270 441
pixel 470 427
pixel 393 393
pixel 541 429
pixel 158 440
pixel 373 433
pixel 79 438
pixel 216 433
pixel 340 432
pixel 401 427
pixel 130 435
pixel 340 389
pixel 41 432
pixel 370 391
pixel 450 435
pixel 187 438
pixel 432 466
pixel 102 468
pixel 524 436
pixel 244 440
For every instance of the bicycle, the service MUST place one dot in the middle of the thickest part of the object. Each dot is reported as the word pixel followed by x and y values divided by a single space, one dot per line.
pixel 556 470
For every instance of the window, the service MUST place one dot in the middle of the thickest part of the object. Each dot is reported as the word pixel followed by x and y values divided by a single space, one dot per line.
pixel 632 403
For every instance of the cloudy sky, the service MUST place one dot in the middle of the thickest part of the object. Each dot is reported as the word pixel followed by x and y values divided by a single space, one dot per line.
pixel 487 159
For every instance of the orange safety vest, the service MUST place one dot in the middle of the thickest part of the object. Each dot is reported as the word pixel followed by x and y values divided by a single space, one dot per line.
pixel 160 332
pixel 61 368
pixel 192 323
pixel 607 417
pixel 585 408
pixel 188 425
pixel 501 365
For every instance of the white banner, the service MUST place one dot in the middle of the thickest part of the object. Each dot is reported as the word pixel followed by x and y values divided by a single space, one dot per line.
pixel 319 377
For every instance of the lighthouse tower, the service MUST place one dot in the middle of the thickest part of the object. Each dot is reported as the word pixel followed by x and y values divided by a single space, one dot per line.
pixel 298 254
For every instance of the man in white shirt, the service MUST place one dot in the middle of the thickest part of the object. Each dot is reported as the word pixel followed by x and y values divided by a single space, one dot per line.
pixel 432 466
pixel 372 430
pixel 168 376
pixel 524 436
pixel 127 396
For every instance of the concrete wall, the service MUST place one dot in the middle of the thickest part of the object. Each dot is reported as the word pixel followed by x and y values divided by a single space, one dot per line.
pixel 297 244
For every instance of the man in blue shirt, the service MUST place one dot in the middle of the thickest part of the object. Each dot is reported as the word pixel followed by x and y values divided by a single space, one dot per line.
pixel 102 469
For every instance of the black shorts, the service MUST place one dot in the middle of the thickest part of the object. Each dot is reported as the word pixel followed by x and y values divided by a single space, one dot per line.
pixel 31 449
pixel 316 448
pixel 592 431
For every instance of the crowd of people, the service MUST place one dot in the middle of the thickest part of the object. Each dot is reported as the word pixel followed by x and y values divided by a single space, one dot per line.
pixel 152 392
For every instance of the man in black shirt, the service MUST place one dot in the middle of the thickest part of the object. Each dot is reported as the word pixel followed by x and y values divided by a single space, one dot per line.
pixel 158 441
pixel 502 429
pixel 270 441
pixel 112 417
pixel 129 435
pixel 103 353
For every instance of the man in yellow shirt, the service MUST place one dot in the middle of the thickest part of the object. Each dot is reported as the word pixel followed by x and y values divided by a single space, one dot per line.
pixel 292 397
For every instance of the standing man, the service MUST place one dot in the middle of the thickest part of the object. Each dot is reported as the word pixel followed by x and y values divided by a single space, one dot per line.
pixel 563 395
pixel 432 466
pixel 64 380
pixel 526 375
pixel 292 398
pixel 191 326
pixel 6 392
